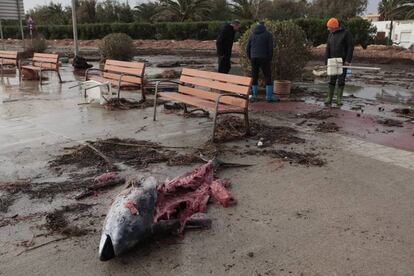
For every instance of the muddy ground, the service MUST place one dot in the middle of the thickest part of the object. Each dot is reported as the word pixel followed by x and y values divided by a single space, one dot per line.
pixel 329 190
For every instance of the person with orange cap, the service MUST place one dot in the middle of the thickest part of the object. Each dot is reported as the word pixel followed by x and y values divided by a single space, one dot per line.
pixel 340 45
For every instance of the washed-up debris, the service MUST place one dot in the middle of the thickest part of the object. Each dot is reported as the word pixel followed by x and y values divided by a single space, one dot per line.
pixel 305 159
pixel 125 104
pixel 404 112
pixel 5 202
pixel 102 182
pixel 390 122
pixel 232 128
pixel 136 153
pixel 57 222
pixel 170 74
pixel 321 114
pixel 169 64
pixel 168 208
pixel 327 127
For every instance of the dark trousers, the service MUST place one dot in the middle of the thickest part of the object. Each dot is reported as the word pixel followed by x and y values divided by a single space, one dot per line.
pixel 224 64
pixel 263 64
pixel 340 79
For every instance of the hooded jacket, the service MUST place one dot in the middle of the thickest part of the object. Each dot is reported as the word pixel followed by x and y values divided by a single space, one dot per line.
pixel 340 45
pixel 260 44
pixel 224 42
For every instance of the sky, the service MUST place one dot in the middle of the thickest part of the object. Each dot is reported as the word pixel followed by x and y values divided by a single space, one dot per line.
pixel 29 4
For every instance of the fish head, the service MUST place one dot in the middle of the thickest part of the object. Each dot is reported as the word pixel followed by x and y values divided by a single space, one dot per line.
pixel 129 219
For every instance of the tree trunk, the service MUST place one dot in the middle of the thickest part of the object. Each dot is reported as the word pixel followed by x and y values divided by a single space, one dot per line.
pixel 390 35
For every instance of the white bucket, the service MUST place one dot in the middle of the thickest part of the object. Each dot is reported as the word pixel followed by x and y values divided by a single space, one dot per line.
pixel 335 67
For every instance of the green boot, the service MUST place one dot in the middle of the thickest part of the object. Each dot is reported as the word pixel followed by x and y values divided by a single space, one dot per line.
pixel 328 100
pixel 339 94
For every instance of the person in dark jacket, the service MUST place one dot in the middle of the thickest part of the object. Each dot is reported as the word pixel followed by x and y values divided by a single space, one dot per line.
pixel 260 52
pixel 224 44
pixel 340 45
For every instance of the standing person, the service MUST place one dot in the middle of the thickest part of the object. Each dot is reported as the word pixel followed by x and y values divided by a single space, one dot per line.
pixel 340 45
pixel 224 45
pixel 260 52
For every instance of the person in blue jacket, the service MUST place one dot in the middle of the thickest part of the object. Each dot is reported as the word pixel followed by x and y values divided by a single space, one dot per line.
pixel 260 52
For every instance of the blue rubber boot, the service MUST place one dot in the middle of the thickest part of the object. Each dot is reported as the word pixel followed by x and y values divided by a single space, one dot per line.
pixel 269 94
pixel 254 93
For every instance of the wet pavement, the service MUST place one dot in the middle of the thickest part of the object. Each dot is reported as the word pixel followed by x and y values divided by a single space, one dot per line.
pixel 351 216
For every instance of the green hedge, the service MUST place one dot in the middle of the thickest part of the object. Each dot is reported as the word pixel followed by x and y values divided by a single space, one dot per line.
pixel 164 30
pixel 315 30
pixel 317 34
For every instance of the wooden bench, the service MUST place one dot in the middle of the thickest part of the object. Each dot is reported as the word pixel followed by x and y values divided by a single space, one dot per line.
pixel 121 74
pixel 44 62
pixel 211 92
pixel 9 58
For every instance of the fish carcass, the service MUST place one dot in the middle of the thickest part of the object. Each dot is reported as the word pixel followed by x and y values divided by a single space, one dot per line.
pixel 144 210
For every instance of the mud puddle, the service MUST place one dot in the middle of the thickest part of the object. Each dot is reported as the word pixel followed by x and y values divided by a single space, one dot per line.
pixel 362 90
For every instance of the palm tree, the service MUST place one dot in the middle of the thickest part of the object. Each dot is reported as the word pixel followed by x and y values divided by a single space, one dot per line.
pixel 184 10
pixel 408 7
pixel 391 10
pixel 147 12
pixel 248 9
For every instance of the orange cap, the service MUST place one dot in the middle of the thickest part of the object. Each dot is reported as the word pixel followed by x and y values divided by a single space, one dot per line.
pixel 333 23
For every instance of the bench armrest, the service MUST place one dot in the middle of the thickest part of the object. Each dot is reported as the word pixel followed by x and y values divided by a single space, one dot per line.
pixel 159 81
pixel 231 95
pixel 91 69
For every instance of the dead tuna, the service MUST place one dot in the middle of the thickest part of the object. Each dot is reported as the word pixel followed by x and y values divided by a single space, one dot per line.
pixel 144 210
pixel 129 219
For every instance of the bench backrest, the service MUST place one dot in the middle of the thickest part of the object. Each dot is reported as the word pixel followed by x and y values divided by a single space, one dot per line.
pixel 8 57
pixel 48 61
pixel 133 71
pixel 208 85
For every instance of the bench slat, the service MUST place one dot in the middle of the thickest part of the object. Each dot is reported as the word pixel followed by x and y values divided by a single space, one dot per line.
pixel 42 59
pixel 10 56
pixel 8 61
pixel 112 81
pixel 212 96
pixel 8 52
pixel 40 55
pixel 117 69
pixel 197 102
pixel 128 64
pixel 133 80
pixel 228 87
pixel 45 65
pixel 218 76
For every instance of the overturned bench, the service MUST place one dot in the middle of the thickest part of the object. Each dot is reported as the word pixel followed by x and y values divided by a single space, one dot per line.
pixel 212 92
pixel 120 74
pixel 9 58
pixel 44 62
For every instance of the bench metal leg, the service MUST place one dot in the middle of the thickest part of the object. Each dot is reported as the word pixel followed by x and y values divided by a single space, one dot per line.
pixel 143 92
pixel 246 123
pixel 155 101
pixel 40 76
pixel 214 126
pixel 60 78
pixel 119 92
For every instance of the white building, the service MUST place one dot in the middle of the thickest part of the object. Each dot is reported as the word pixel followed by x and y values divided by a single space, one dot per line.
pixel 402 31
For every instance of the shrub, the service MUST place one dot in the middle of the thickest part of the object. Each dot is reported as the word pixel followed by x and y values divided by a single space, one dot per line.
pixel 290 53
pixel 38 44
pixel 117 46
pixel 362 30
